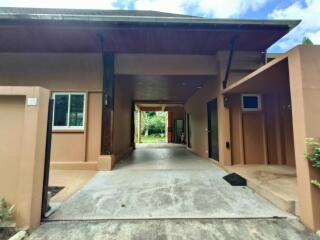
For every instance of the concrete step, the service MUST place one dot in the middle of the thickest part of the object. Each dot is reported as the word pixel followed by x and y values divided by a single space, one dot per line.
pixel 286 204
pixel 275 183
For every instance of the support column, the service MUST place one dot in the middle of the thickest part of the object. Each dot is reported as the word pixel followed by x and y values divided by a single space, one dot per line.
pixel 139 126
pixel 224 132
pixel 133 125
pixel 305 92
pixel 170 128
pixel 106 160
pixel 107 104
pixel 166 127
pixel 223 116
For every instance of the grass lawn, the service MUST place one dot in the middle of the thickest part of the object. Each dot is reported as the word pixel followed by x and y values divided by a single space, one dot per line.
pixel 152 139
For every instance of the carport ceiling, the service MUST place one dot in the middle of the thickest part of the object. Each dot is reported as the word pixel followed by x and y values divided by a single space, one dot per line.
pixel 58 30
pixel 133 40
pixel 163 88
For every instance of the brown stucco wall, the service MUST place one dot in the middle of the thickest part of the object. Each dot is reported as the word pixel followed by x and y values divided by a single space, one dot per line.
pixel 94 118
pixel 81 72
pixel 11 128
pixel 304 71
pixel 264 137
pixel 243 63
pixel 22 150
pixel 197 107
pixel 122 120
pixel 68 72
pixel 291 90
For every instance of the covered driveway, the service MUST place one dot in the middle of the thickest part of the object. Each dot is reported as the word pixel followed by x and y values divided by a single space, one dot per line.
pixel 166 192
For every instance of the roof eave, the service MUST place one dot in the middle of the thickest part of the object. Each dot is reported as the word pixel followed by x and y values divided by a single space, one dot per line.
pixel 150 20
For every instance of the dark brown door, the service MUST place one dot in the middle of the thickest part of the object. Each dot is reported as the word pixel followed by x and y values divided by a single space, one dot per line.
pixel 189 129
pixel 213 129
pixel 178 131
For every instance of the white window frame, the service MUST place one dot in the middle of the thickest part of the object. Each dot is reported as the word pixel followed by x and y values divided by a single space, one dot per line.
pixel 68 113
pixel 259 108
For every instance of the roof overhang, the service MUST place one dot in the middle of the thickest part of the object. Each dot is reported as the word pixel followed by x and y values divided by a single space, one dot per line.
pixel 74 31
pixel 269 78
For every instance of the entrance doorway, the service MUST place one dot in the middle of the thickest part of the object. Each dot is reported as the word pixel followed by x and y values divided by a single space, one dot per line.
pixel 178 131
pixel 189 129
pixel 150 127
pixel 212 108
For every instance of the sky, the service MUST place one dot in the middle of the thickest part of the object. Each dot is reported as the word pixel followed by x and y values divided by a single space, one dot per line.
pixel 306 10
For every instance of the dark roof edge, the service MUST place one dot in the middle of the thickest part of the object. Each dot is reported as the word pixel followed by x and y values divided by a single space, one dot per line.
pixel 98 12
pixel 174 19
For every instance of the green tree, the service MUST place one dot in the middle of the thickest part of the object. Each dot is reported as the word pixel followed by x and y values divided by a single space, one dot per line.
pixel 152 122
pixel 158 122
pixel 306 41
pixel 146 121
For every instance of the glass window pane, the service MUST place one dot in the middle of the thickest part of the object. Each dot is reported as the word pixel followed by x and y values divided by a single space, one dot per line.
pixel 76 110
pixel 61 110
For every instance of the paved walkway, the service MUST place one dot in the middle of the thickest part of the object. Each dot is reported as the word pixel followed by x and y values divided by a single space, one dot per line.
pixel 166 192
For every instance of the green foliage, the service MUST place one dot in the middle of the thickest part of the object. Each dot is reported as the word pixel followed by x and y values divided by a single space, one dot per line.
pixel 6 214
pixel 306 41
pixel 316 183
pixel 313 155
pixel 146 122
pixel 153 139
pixel 153 122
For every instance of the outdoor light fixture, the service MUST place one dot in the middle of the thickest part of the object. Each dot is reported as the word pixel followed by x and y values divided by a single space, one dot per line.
pixel 106 100
pixel 226 102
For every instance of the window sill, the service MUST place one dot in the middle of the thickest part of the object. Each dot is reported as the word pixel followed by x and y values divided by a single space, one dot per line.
pixel 68 130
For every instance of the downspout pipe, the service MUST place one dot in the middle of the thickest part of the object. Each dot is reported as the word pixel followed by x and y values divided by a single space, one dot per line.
pixel 232 47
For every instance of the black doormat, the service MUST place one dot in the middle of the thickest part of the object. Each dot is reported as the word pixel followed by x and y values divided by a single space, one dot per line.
pixel 235 180
pixel 54 190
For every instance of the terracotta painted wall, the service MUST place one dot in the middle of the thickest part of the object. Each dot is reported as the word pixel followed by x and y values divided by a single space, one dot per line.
pixel 81 146
pixel 54 71
pixel 94 118
pixel 304 70
pixel 243 63
pixel 263 137
pixel 11 128
pixel 22 151
pixel 82 72
pixel 122 119
pixel 254 132
pixel 197 106
pixel 62 72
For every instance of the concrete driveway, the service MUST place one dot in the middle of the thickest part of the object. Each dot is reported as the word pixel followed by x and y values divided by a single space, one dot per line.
pixel 166 192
